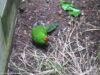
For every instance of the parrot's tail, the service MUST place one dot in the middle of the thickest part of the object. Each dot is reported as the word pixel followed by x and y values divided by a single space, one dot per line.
pixel 52 27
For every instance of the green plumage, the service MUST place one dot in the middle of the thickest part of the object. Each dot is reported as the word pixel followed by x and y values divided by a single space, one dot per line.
pixel 40 33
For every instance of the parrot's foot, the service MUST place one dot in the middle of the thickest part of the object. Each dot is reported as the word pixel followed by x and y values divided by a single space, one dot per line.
pixel 41 46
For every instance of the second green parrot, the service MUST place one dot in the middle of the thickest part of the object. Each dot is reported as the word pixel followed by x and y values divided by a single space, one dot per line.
pixel 40 33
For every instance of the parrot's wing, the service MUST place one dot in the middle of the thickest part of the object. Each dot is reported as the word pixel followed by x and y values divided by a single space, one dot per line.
pixel 52 27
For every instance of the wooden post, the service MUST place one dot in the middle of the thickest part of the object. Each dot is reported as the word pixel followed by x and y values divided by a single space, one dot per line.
pixel 7 23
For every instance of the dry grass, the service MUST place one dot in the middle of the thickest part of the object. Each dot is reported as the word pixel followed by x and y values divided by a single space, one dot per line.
pixel 68 54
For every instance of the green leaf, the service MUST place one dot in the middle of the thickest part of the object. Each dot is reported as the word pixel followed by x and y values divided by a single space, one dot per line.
pixel 69 7
pixel 75 12
pixel 66 5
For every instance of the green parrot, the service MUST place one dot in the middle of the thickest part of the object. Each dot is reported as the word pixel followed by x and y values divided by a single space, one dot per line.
pixel 40 33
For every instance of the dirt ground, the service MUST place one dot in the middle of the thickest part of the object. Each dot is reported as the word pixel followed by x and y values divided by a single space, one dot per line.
pixel 30 12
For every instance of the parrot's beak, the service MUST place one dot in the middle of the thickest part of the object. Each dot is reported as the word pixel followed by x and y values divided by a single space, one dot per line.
pixel 47 39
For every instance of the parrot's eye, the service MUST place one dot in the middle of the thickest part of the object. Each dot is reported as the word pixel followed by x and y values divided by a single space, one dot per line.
pixel 46 39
